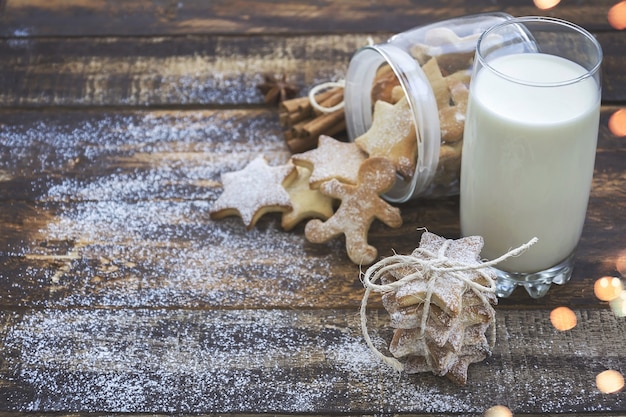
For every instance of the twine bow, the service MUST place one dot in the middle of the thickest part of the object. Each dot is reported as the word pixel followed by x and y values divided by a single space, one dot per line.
pixel 429 267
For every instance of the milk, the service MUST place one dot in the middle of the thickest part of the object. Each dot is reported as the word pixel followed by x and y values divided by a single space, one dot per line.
pixel 528 157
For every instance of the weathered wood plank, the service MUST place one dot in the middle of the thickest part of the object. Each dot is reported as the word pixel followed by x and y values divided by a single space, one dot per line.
pixel 282 361
pixel 170 254
pixel 194 70
pixel 22 18
pixel 112 155
pixel 178 71
pixel 112 209
pixel 93 155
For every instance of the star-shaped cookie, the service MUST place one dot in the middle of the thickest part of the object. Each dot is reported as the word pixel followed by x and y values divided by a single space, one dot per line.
pixel 392 136
pixel 307 203
pixel 255 190
pixel 331 159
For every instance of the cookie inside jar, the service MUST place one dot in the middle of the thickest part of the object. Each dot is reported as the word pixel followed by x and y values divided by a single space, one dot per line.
pixel 406 100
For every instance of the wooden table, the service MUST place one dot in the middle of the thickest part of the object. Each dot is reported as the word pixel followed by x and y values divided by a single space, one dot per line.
pixel 119 294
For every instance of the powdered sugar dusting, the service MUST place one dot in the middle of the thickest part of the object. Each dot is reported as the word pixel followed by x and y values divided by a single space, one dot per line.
pixel 186 361
pixel 134 203
pixel 259 361
pixel 160 253
pixel 256 188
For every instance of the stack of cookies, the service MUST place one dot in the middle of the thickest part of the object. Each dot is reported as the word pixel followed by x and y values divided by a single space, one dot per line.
pixel 441 319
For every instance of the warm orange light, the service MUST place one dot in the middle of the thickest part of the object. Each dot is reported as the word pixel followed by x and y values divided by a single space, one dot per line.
pixel 609 382
pixel 607 288
pixel 498 411
pixel 563 318
pixel 546 4
pixel 617 123
pixel 617 15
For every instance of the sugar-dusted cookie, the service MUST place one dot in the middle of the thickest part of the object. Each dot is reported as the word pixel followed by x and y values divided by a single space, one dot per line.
pixel 384 83
pixel 452 116
pixel 447 295
pixel 331 159
pixel 440 300
pixel 255 190
pixel 307 203
pixel 437 83
pixel 360 205
pixel 392 136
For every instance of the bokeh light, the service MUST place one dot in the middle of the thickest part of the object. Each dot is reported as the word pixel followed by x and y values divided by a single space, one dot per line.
pixel 610 381
pixel 563 318
pixel 546 4
pixel 617 15
pixel 617 123
pixel 618 305
pixel 607 288
pixel 498 411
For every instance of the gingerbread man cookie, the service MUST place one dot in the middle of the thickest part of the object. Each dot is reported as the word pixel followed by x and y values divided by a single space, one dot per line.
pixel 360 205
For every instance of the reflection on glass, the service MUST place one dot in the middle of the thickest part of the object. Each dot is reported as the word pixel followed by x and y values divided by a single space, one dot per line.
pixel 607 288
pixel 617 123
pixel 498 411
pixel 617 15
pixel 618 305
pixel 563 318
pixel 609 382
pixel 546 4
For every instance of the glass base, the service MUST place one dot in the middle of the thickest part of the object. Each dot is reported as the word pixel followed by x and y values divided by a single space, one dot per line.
pixel 536 284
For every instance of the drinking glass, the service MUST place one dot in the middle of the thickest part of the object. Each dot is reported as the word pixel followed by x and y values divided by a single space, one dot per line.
pixel 529 147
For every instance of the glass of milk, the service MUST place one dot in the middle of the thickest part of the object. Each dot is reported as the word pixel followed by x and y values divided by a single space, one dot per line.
pixel 529 147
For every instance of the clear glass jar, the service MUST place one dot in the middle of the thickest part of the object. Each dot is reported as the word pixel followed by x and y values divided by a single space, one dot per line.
pixel 407 97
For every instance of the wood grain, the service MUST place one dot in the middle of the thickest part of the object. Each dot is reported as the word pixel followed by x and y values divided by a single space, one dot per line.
pixel 195 71
pixel 118 17
pixel 115 213
pixel 120 296
pixel 282 361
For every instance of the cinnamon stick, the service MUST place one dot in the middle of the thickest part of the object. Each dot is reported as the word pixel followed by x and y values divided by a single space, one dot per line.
pixel 302 124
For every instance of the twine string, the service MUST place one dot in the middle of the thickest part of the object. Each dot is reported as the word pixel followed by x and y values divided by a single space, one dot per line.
pixel 316 89
pixel 428 266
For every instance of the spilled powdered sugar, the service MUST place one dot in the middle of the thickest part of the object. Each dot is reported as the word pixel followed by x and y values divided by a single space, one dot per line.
pixel 260 361
pixel 175 257
pixel 146 224
pixel 232 361
pixel 146 272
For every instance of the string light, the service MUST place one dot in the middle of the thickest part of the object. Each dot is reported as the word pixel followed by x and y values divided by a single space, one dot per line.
pixel 609 382
pixel 607 288
pixel 546 4
pixel 498 411
pixel 617 123
pixel 617 15
pixel 563 318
